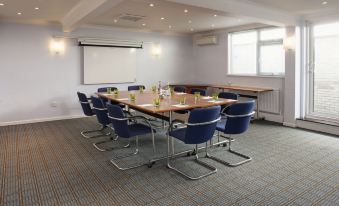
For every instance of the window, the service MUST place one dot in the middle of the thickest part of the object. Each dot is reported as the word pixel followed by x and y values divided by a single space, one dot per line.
pixel 257 52
pixel 323 73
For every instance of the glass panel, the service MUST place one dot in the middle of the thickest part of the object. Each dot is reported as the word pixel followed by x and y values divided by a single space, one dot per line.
pixel 243 47
pixel 272 59
pixel 326 71
pixel 272 34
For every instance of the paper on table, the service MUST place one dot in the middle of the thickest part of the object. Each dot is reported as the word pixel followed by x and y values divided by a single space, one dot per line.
pixel 180 105
pixel 145 105
pixel 214 101
pixel 207 97
pixel 123 99
pixel 180 93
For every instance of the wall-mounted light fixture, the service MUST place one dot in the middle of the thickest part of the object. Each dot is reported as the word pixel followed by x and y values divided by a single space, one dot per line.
pixel 156 50
pixel 289 43
pixel 57 46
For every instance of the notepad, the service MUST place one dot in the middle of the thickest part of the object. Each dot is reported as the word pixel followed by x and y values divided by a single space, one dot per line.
pixel 123 99
pixel 180 105
pixel 145 105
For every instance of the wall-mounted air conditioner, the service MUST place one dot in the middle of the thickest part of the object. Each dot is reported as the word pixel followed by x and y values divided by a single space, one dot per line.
pixel 206 40
pixel 109 43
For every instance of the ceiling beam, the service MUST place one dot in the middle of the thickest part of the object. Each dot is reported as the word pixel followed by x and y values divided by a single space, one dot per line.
pixel 84 11
pixel 246 8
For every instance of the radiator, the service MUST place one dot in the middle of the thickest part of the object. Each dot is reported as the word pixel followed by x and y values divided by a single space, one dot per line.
pixel 270 102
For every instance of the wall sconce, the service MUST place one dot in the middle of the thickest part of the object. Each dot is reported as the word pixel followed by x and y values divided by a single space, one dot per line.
pixel 289 43
pixel 156 50
pixel 57 46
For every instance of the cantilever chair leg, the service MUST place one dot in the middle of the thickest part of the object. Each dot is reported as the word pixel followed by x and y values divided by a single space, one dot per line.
pixel 96 144
pixel 197 160
pixel 101 129
pixel 247 158
pixel 136 151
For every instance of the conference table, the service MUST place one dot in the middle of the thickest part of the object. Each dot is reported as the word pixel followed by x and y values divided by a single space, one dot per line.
pixel 144 103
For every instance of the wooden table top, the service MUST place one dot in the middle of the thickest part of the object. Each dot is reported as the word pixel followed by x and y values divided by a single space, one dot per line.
pixel 144 101
pixel 242 88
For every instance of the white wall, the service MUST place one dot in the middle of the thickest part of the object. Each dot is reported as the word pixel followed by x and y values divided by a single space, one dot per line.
pixel 31 77
pixel 211 68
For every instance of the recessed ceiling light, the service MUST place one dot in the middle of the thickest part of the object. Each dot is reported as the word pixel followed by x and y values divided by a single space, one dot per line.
pixel 143 24
pixel 162 18
pixel 324 3
pixel 19 13
pixel 115 20
pixel 189 21
pixel 215 15
pixel 151 5
pixel 2 4
pixel 36 8
pixel 186 11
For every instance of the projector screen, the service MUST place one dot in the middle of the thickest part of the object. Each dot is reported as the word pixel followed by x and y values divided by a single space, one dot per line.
pixel 104 65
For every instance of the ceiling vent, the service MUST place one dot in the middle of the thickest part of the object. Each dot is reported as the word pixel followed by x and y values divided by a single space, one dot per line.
pixel 131 17
pixel 206 40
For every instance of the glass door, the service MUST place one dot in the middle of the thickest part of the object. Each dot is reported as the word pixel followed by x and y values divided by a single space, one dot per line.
pixel 323 73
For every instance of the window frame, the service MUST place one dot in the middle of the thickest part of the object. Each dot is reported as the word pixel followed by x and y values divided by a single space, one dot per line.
pixel 259 43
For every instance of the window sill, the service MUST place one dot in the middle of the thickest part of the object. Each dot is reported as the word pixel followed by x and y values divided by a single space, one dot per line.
pixel 257 76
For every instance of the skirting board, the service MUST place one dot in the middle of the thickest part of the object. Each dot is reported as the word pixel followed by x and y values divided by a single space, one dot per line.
pixel 29 121
pixel 329 129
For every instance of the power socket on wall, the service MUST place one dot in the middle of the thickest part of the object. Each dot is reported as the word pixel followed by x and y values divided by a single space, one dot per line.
pixel 54 104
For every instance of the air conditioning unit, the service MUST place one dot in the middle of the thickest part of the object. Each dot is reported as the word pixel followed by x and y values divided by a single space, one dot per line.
pixel 206 40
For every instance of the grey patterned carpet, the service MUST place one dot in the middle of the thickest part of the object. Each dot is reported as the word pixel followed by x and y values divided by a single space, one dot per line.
pixel 52 164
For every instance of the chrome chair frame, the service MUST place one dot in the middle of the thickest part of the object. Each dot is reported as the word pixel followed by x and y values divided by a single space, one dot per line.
pixel 101 129
pixel 197 160
pixel 150 162
pixel 247 158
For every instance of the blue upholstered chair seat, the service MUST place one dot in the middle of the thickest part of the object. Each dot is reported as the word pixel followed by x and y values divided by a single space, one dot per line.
pixel 139 129
pixel 179 134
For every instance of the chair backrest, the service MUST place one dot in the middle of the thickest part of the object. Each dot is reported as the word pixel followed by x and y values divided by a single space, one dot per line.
pixel 100 110
pixel 118 120
pixel 228 95
pixel 135 87
pixel 201 91
pixel 104 89
pixel 201 124
pixel 179 89
pixel 86 107
pixel 239 117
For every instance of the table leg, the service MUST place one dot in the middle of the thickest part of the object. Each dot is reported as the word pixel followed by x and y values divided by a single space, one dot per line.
pixel 258 103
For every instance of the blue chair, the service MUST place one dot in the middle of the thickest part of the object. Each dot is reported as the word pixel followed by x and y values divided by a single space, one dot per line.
pixel 135 87
pixel 102 117
pixel 237 121
pixel 125 128
pixel 201 91
pixel 180 89
pixel 200 129
pixel 104 89
pixel 87 109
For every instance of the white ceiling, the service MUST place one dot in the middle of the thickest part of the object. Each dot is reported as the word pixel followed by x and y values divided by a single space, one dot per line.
pixel 49 10
pixel 300 7
pixel 201 13
pixel 176 20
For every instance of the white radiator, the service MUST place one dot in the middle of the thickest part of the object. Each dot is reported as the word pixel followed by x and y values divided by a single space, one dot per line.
pixel 270 102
